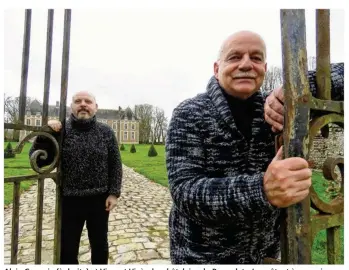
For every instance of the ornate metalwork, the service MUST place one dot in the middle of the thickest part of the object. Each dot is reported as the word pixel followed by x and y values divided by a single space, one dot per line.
pixel 44 131
pixel 300 227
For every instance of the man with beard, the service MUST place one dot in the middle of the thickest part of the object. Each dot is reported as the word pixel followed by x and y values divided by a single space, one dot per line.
pixel 91 178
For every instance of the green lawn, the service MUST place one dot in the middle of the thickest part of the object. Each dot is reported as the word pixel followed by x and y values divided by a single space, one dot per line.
pixel 154 168
pixel 319 251
pixel 15 167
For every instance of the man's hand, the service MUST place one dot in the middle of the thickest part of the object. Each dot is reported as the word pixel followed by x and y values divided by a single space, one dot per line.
pixel 110 203
pixel 286 182
pixel 55 125
pixel 274 109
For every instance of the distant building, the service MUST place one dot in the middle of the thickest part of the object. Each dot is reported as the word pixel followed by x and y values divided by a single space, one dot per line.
pixel 123 122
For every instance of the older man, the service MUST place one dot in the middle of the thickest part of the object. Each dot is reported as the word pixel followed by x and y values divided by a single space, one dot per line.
pixel 92 173
pixel 226 184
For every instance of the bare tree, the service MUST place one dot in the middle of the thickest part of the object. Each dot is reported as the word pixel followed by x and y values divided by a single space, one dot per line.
pixel 144 113
pixel 159 126
pixel 164 129
pixel 272 79
pixel 11 113
pixel 11 108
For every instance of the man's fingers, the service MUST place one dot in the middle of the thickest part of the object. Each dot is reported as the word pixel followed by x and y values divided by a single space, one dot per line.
pixel 279 154
pixel 303 175
pixel 107 203
pixel 276 116
pixel 110 207
pixel 279 94
pixel 276 105
pixel 275 125
pixel 301 195
pixel 55 125
pixel 294 163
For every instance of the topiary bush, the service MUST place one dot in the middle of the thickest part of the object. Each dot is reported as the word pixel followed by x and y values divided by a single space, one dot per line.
pixel 8 153
pixel 122 147
pixel 152 151
pixel 133 149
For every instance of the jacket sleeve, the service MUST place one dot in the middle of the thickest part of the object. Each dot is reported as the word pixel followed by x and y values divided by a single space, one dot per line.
pixel 337 82
pixel 114 166
pixel 44 143
pixel 200 197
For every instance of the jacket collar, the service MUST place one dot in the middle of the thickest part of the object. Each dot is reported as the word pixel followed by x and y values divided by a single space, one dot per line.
pixel 215 93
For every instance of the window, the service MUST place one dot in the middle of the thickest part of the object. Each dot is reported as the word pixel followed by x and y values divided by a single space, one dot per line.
pixel 125 126
pixel 114 125
pixel 133 126
pixel 125 135
pixel 28 122
pixel 38 122
pixel 132 135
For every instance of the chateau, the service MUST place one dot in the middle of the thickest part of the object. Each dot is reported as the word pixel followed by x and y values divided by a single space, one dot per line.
pixel 123 122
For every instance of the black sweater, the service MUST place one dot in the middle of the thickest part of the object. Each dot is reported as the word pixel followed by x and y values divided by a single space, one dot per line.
pixel 91 162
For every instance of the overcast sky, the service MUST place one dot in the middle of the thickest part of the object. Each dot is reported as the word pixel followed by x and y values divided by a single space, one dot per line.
pixel 128 57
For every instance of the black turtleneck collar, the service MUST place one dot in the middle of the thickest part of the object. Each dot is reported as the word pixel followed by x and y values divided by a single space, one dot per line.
pixel 242 111
pixel 83 124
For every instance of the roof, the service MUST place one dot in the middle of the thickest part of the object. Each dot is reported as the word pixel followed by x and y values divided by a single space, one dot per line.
pixel 108 114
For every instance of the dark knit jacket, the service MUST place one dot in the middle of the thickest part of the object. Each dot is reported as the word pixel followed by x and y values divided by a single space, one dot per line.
pixel 91 162
pixel 220 214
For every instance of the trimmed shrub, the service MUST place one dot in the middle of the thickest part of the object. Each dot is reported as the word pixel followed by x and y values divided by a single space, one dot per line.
pixel 152 151
pixel 8 153
pixel 133 149
pixel 122 147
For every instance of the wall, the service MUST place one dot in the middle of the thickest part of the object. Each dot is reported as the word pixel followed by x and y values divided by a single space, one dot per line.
pixel 323 148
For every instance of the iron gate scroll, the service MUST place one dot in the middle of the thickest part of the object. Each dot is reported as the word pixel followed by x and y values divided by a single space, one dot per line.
pixel 300 227
pixel 48 172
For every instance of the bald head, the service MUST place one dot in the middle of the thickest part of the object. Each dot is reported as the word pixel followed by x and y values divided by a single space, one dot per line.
pixel 84 93
pixel 239 38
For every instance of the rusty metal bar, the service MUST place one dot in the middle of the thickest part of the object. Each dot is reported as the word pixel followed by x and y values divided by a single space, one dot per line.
pixel 25 63
pixel 333 245
pixel 15 222
pixel 62 116
pixel 327 105
pixel 25 127
pixel 39 215
pixel 47 66
pixel 323 68
pixel 321 222
pixel 296 248
pixel 65 64
pixel 28 177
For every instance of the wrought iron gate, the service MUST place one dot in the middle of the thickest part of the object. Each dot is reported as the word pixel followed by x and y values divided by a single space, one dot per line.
pixel 300 227
pixel 41 174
